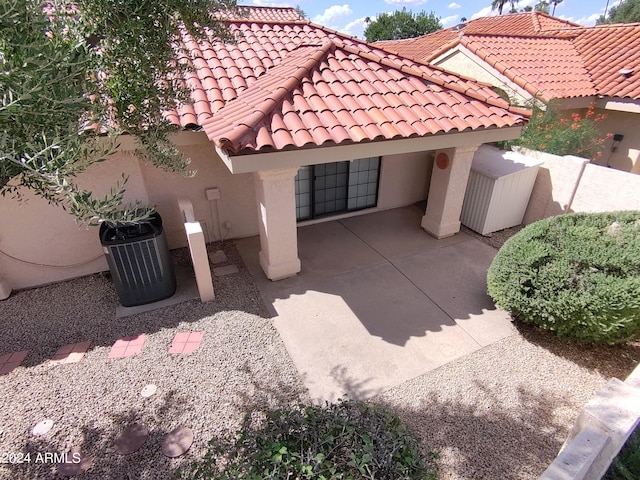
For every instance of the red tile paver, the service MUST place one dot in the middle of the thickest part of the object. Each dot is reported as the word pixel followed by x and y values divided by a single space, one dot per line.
pixel 186 342
pixel 9 361
pixel 127 346
pixel 71 353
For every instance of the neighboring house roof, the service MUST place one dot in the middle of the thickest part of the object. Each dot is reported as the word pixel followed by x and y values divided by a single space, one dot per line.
pixel 288 83
pixel 526 23
pixel 607 50
pixel 545 67
pixel 549 58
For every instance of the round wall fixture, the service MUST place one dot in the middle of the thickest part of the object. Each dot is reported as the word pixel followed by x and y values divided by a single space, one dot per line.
pixel 442 160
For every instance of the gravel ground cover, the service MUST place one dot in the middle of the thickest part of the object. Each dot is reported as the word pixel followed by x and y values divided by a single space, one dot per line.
pixel 500 413
pixel 241 365
pixel 503 412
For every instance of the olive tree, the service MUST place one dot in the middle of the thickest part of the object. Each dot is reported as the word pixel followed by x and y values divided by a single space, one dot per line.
pixel 73 73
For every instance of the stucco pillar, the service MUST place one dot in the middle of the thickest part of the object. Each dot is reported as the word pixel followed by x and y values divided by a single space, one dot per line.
pixel 446 193
pixel 5 288
pixel 275 197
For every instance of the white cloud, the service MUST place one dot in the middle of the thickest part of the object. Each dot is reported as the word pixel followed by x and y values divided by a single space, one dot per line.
pixel 485 12
pixel 333 13
pixel 591 19
pixel 448 21
pixel 454 6
pixel 586 21
pixel 355 28
pixel 489 12
pixel 412 3
pixel 521 4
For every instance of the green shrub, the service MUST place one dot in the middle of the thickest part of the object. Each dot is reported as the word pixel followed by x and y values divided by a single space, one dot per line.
pixel 626 465
pixel 346 440
pixel 577 275
pixel 553 132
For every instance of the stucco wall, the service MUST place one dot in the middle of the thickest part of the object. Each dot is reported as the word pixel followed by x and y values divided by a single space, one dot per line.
pixel 48 237
pixel 459 62
pixel 604 189
pixel 49 244
pixel 555 185
pixel 404 179
pixel 236 205
pixel 572 184
pixel 627 154
pixel 39 233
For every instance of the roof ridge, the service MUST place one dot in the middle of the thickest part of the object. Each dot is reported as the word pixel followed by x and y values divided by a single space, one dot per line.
pixel 242 13
pixel 536 23
pixel 281 90
pixel 440 82
pixel 541 34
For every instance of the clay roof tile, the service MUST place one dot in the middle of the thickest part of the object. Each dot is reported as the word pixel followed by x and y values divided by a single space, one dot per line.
pixel 289 83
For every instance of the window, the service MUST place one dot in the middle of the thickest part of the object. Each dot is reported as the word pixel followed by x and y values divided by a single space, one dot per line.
pixel 333 188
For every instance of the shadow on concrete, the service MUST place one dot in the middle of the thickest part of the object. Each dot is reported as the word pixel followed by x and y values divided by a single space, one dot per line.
pixel 379 301
pixel 399 282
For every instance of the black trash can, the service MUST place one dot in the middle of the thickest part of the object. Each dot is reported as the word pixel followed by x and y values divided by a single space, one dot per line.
pixel 139 261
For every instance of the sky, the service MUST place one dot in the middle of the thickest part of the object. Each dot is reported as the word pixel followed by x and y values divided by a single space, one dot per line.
pixel 348 16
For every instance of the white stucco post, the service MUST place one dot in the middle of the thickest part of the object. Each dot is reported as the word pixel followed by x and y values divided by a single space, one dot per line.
pixel 276 201
pixel 446 193
pixel 5 287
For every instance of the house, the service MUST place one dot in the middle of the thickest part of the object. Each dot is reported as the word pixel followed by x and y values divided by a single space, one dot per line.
pixel 293 123
pixel 533 56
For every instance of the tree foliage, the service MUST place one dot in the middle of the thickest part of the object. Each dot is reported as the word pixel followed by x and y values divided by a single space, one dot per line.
pixel 82 69
pixel 401 24
pixel 555 132
pixel 500 4
pixel 626 12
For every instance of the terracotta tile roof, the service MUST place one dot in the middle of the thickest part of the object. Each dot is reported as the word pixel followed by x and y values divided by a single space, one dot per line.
pixel 293 84
pixel 262 14
pixel 524 24
pixel 548 57
pixel 545 67
pixel 606 50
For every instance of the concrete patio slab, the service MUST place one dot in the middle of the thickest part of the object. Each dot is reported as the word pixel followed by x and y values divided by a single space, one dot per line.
pixel 369 311
pixel 397 233
pixel 360 332
pixel 331 248
pixel 459 287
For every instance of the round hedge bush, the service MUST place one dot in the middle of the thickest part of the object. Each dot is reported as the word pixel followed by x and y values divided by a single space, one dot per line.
pixel 577 275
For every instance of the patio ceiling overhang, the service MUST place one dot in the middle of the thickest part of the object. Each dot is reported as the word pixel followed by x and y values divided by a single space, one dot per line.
pixel 258 161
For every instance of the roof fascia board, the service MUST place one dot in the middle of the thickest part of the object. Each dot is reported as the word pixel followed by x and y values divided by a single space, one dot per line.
pixel 313 156
pixel 619 104
pixel 445 55
pixel 573 102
